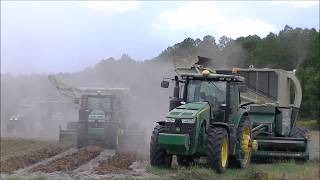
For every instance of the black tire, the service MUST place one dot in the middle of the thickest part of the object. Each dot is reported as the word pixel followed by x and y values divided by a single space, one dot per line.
pixel 244 123
pixel 300 132
pixel 216 138
pixel 158 156
pixel 82 135
pixel 111 137
pixel 184 160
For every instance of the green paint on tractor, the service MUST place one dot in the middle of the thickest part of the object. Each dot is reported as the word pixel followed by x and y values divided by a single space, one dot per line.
pixel 175 143
pixel 239 113
pixel 96 133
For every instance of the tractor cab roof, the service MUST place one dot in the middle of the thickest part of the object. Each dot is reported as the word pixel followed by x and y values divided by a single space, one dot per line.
pixel 199 72
pixel 98 95
pixel 212 76
pixel 197 68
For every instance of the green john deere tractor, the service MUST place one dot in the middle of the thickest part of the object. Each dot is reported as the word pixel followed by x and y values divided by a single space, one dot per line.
pixel 216 118
pixel 103 118
pixel 98 123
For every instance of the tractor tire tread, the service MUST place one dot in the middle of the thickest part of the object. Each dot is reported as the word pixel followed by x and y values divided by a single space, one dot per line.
pixel 245 121
pixel 215 137
pixel 158 156
pixel 299 132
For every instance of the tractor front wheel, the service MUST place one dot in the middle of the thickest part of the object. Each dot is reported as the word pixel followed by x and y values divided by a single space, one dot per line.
pixel 111 136
pixel 244 139
pixel 301 132
pixel 218 142
pixel 158 156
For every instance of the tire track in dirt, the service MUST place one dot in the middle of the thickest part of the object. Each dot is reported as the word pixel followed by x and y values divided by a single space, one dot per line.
pixel 89 167
pixel 118 163
pixel 14 163
pixel 26 170
pixel 69 162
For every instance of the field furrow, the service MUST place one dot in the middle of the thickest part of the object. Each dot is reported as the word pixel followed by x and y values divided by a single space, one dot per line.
pixel 69 162
pixel 28 158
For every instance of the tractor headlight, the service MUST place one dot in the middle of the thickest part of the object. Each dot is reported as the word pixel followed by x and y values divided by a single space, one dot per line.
pixel 170 120
pixel 16 119
pixel 188 121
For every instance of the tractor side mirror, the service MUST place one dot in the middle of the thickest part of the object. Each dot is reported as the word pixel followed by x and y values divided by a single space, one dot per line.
pixel 243 88
pixel 164 84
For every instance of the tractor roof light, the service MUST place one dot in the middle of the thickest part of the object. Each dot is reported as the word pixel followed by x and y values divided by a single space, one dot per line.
pixel 206 72
pixel 235 70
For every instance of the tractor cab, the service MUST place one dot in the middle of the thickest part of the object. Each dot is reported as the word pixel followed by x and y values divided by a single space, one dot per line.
pixel 220 92
pixel 99 107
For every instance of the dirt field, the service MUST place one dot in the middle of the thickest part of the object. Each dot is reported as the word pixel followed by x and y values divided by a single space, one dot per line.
pixel 12 147
pixel 118 163
pixel 31 159
pixel 69 162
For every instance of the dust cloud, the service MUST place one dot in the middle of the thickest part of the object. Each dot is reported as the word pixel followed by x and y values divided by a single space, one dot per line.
pixel 41 109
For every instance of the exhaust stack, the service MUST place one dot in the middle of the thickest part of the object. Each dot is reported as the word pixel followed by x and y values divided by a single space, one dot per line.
pixel 175 101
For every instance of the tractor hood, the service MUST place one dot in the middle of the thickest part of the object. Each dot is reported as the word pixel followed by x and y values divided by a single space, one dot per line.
pixel 189 110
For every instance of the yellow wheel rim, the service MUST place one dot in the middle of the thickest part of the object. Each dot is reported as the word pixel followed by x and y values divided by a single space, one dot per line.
pixel 224 152
pixel 245 142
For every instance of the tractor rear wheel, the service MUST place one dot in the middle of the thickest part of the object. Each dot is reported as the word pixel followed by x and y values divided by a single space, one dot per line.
pixel 82 138
pixel 184 160
pixel 111 137
pixel 218 142
pixel 300 132
pixel 244 139
pixel 158 156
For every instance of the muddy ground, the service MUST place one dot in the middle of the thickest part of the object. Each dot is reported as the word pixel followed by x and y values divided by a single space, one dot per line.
pixel 49 160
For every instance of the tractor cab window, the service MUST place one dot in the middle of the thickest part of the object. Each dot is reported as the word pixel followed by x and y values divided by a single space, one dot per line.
pixel 98 103
pixel 213 92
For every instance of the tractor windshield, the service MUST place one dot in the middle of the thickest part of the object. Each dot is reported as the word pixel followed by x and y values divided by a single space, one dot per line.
pixel 213 92
pixel 100 103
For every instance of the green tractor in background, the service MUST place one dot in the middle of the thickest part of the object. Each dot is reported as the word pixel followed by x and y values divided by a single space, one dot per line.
pixel 98 123
pixel 213 118
pixel 103 118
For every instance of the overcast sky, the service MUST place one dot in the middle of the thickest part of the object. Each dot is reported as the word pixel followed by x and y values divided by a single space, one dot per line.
pixel 69 35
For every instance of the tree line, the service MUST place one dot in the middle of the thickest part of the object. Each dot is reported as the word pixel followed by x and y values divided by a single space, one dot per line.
pixel 291 48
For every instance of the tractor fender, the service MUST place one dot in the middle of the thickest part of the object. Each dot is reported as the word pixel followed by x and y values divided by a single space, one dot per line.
pixel 161 123
pixel 237 117
pixel 221 124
